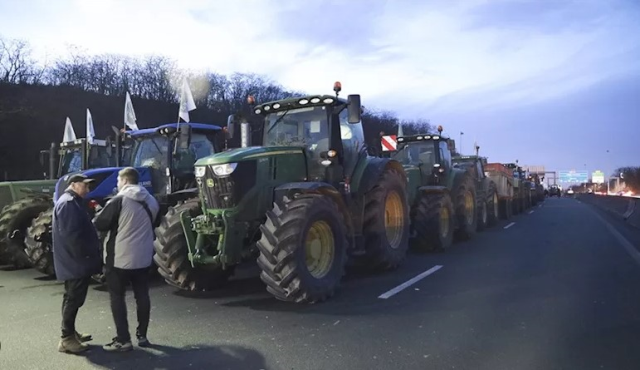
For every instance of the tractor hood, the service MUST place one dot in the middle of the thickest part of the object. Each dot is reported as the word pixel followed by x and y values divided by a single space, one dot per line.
pixel 243 154
pixel 106 181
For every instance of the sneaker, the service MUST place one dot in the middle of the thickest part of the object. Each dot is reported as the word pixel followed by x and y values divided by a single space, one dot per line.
pixel 143 342
pixel 71 344
pixel 84 337
pixel 116 346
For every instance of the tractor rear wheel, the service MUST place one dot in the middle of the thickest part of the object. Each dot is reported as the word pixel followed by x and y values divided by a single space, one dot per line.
pixel 38 243
pixel 433 223
pixel 172 254
pixel 14 221
pixel 465 205
pixel 386 222
pixel 303 249
pixel 493 205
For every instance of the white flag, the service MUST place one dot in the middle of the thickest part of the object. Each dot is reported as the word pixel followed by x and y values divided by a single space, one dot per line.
pixel 186 101
pixel 91 134
pixel 129 113
pixel 69 133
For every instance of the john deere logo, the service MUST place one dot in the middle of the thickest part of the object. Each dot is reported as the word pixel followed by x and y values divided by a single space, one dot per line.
pixel 210 183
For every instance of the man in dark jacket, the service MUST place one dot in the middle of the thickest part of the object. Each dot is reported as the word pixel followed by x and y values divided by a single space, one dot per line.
pixel 129 219
pixel 76 256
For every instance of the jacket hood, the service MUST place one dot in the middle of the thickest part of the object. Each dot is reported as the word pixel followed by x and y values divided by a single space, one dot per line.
pixel 135 192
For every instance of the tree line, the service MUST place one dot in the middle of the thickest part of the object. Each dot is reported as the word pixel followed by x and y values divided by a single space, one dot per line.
pixel 77 80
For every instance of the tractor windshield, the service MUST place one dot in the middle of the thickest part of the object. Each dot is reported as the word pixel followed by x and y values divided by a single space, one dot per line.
pixel 417 152
pixel 153 151
pixel 70 161
pixel 304 127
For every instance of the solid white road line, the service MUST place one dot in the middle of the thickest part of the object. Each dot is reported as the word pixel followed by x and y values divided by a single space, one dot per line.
pixel 626 244
pixel 530 212
pixel 408 283
pixel 511 224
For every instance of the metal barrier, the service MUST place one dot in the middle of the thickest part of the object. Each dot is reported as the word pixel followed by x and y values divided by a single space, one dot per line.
pixel 623 207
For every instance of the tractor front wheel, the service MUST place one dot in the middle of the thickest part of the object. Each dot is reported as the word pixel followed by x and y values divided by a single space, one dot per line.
pixel 386 222
pixel 172 254
pixel 465 205
pixel 433 223
pixel 14 221
pixel 303 249
pixel 493 205
pixel 38 243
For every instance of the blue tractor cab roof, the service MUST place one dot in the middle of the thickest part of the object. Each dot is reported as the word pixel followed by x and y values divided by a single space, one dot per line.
pixel 154 130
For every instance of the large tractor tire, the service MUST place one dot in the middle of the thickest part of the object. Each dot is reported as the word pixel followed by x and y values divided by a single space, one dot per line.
pixel 433 223
pixel 14 221
pixel 465 206
pixel 493 205
pixel 39 243
pixel 386 223
pixel 172 254
pixel 483 212
pixel 303 249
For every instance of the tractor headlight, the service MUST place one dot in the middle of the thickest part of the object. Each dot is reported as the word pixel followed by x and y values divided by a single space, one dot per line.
pixel 224 169
pixel 200 171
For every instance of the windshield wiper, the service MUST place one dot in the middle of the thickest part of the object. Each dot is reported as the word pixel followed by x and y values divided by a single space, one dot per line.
pixel 278 120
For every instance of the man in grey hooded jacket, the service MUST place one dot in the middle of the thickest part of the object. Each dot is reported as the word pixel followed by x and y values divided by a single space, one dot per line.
pixel 129 220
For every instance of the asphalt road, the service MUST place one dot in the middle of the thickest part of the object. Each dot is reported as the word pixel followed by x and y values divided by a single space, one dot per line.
pixel 556 290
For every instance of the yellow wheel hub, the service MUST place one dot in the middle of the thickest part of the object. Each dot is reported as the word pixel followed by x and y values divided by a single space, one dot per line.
pixel 469 207
pixel 394 219
pixel 444 221
pixel 319 249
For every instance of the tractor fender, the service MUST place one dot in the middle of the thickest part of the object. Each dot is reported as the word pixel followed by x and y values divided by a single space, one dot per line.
pixel 292 188
pixel 373 170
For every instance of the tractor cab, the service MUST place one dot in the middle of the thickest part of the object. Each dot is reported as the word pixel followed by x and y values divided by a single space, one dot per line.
pixel 429 152
pixel 169 152
pixel 473 163
pixel 78 155
pixel 325 127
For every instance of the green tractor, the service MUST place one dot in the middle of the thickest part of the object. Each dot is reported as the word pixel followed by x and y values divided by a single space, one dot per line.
pixel 443 197
pixel 521 192
pixel 23 201
pixel 488 203
pixel 302 203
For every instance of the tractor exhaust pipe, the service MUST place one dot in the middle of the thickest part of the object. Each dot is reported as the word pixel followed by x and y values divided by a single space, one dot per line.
pixel 245 135
pixel 52 161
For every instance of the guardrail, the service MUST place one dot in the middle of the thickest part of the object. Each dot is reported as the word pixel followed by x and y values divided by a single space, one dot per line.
pixel 626 208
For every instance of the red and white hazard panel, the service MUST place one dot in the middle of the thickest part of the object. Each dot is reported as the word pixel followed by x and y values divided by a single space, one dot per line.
pixel 389 143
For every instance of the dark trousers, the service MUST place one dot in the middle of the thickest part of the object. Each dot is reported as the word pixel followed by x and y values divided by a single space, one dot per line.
pixel 75 293
pixel 117 281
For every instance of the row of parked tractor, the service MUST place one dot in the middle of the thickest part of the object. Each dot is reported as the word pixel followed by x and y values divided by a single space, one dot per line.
pixel 305 204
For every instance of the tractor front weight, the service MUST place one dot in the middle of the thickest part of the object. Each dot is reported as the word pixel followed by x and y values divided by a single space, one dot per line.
pixel 214 239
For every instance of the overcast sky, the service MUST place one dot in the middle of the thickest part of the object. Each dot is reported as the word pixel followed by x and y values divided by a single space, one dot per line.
pixel 548 82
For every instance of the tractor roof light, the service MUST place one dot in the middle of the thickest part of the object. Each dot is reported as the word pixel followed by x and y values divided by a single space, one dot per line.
pixel 337 86
pixel 303 101
pixel 328 100
pixel 276 106
pixel 400 139
pixel 257 111
pixel 435 137
pixel 332 153
pixel 315 100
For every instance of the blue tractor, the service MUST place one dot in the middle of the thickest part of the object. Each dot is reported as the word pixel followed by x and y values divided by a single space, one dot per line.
pixel 164 156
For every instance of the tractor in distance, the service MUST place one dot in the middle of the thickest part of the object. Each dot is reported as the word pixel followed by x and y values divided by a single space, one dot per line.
pixel 303 202
pixel 22 201
pixel 443 197
pixel 487 192
pixel 521 193
pixel 164 157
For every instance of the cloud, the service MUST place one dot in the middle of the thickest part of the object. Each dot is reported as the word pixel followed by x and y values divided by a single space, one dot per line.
pixel 477 66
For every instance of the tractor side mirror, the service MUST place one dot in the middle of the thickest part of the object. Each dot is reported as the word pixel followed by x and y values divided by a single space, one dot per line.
pixel 184 136
pixel 231 126
pixel 354 109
